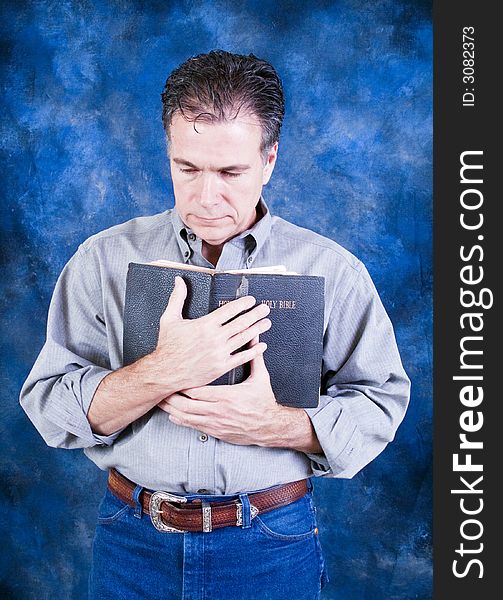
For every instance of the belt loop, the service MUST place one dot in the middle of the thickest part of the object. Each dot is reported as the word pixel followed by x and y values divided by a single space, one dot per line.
pixel 206 508
pixel 246 512
pixel 138 508
pixel 310 485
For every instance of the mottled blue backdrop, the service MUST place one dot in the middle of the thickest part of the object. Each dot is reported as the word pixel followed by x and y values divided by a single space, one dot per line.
pixel 83 149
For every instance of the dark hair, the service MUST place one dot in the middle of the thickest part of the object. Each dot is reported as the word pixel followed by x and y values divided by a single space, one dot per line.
pixel 217 86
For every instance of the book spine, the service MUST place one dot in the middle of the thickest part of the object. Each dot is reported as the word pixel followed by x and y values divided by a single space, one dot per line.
pixel 225 288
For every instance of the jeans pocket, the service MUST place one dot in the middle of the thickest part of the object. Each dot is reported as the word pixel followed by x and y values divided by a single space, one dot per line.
pixel 290 523
pixel 111 509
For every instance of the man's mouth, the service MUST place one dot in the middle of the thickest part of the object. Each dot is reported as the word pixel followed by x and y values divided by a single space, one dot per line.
pixel 209 220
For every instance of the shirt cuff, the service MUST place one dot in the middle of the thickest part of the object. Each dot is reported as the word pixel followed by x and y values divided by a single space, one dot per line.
pixel 89 387
pixel 72 416
pixel 339 438
pixel 319 464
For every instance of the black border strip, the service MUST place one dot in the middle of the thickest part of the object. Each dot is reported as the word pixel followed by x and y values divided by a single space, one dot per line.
pixel 465 123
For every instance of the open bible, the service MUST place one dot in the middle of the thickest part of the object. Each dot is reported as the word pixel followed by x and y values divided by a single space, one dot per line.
pixel 294 341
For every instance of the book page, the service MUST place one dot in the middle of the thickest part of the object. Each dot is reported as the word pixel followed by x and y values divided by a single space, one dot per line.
pixel 274 269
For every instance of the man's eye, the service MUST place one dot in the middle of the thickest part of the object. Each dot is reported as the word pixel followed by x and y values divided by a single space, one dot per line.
pixel 230 174
pixel 188 171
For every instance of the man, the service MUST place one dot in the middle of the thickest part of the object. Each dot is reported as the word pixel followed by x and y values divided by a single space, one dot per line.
pixel 222 471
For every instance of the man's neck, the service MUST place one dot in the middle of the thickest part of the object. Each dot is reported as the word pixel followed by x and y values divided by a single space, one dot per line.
pixel 212 252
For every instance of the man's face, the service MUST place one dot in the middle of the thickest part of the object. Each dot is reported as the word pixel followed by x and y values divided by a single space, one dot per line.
pixel 218 172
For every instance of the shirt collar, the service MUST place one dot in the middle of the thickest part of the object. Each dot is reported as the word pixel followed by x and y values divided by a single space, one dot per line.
pixel 259 231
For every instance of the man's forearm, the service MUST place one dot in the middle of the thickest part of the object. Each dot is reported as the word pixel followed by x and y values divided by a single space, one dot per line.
pixel 124 396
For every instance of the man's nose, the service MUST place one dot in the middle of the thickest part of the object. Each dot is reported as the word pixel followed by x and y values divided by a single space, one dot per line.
pixel 208 193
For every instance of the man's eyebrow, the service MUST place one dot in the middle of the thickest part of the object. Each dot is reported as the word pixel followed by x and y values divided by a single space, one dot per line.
pixel 181 161
pixel 239 167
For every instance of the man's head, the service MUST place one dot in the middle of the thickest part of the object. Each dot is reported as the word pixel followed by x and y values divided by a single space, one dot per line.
pixel 219 86
pixel 222 114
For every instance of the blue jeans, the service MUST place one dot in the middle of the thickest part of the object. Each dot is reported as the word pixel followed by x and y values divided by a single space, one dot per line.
pixel 276 555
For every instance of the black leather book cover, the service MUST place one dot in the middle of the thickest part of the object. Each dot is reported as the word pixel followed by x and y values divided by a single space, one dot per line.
pixel 294 342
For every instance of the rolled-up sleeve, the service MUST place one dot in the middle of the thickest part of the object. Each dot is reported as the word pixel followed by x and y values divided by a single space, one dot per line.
pixel 365 389
pixel 74 359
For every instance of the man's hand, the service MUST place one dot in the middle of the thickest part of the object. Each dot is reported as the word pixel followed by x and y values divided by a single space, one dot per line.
pixel 246 413
pixel 194 352
pixel 189 353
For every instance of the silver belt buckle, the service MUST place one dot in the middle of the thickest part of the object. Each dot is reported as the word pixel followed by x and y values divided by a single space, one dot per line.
pixel 156 499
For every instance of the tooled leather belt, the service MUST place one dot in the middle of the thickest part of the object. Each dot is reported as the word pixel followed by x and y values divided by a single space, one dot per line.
pixel 172 513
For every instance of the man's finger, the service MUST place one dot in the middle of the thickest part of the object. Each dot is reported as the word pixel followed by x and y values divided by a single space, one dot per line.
pixel 176 301
pixel 257 366
pixel 244 337
pixel 187 405
pixel 246 320
pixel 255 341
pixel 188 420
pixel 164 403
pixel 207 393
pixel 231 309
pixel 248 355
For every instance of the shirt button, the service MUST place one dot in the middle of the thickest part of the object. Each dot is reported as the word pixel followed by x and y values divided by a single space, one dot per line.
pixel 186 254
pixel 203 491
pixel 192 237
pixel 250 259
pixel 203 437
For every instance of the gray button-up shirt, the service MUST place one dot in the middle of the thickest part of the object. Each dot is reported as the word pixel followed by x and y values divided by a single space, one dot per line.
pixel 365 390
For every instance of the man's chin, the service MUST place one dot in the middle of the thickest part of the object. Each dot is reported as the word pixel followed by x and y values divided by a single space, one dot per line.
pixel 213 236
pixel 212 241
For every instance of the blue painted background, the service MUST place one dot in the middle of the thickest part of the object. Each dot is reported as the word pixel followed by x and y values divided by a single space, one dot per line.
pixel 83 149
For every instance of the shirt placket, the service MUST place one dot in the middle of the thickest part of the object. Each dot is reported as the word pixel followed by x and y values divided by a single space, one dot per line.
pixel 204 451
pixel 201 460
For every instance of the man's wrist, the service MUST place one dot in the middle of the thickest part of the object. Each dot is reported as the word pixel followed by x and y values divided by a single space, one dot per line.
pixel 152 374
pixel 292 428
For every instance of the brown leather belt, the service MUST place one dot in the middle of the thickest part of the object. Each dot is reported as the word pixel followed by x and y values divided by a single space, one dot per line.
pixel 173 513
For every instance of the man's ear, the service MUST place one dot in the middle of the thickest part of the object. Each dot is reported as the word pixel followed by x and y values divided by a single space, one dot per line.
pixel 272 155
